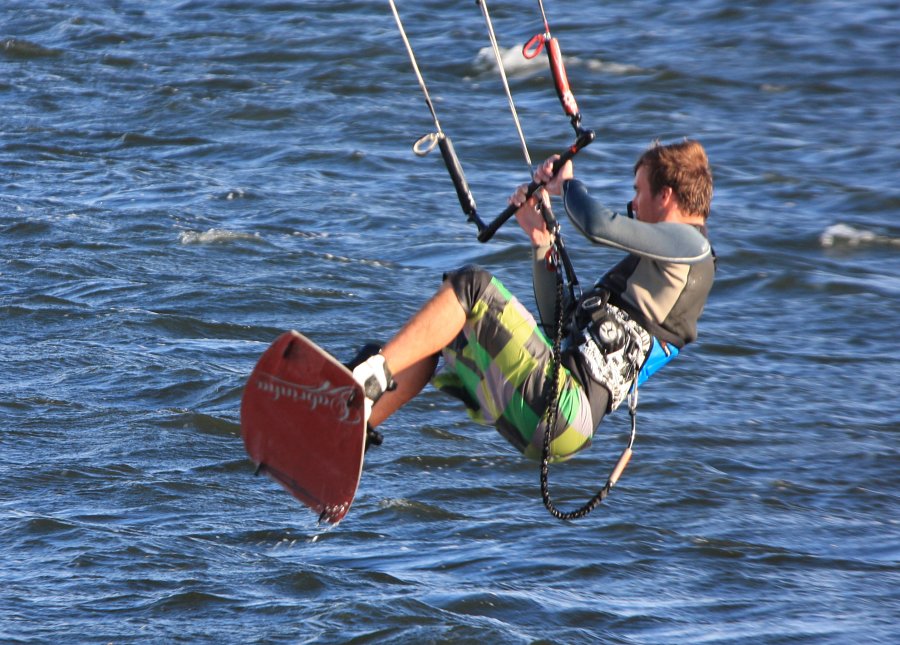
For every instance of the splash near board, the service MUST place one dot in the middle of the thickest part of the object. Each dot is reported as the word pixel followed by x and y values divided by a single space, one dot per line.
pixel 302 424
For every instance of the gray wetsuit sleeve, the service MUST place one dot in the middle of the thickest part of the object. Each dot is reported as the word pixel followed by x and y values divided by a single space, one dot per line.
pixel 665 241
pixel 544 287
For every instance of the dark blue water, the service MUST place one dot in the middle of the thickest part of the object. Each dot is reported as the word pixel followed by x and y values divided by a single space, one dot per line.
pixel 181 181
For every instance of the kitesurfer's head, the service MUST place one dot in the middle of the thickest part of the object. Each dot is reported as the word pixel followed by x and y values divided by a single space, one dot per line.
pixel 682 167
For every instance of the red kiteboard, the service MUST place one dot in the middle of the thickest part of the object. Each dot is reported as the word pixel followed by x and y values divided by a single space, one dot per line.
pixel 303 424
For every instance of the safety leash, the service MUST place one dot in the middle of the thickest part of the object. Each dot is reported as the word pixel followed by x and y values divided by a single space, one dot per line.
pixel 552 416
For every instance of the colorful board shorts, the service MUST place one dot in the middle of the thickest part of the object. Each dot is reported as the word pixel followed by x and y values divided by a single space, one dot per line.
pixel 499 366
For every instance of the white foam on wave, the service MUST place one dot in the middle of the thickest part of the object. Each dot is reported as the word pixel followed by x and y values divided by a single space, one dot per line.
pixel 608 67
pixel 845 235
pixel 515 63
pixel 214 236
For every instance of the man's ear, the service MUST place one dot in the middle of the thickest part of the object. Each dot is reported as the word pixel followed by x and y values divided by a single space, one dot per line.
pixel 667 198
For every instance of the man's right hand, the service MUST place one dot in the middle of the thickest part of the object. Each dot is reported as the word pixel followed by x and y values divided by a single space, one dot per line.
pixel 553 183
pixel 529 215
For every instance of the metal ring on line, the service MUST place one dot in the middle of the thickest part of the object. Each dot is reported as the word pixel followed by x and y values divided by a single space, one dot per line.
pixel 431 139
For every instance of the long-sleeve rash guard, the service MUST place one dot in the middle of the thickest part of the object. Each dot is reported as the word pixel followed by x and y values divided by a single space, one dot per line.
pixel 663 282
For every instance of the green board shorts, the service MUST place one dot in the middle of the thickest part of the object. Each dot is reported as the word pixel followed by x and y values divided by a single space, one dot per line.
pixel 499 366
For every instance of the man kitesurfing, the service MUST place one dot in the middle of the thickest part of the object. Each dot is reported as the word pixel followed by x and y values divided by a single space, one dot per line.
pixel 638 316
pixel 545 387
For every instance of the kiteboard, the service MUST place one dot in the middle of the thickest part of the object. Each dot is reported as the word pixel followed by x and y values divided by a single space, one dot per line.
pixel 302 420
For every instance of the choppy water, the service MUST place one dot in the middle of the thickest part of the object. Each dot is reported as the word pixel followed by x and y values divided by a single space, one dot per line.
pixel 181 181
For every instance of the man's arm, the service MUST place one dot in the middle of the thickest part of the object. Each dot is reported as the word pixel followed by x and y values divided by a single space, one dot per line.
pixel 544 281
pixel 664 241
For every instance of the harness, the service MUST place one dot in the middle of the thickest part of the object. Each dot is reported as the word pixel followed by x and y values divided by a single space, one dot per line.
pixel 612 345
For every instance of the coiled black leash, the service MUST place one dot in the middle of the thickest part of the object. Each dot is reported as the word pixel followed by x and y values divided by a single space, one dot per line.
pixel 553 411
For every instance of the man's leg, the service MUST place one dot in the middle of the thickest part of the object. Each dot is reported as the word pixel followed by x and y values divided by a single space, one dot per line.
pixel 412 355
pixel 431 329
pixel 409 382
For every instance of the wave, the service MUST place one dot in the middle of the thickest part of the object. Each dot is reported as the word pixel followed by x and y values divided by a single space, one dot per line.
pixel 17 48
pixel 215 236
pixel 515 63
pixel 839 235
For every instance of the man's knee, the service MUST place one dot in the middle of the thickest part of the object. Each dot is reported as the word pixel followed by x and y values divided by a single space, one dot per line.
pixel 468 283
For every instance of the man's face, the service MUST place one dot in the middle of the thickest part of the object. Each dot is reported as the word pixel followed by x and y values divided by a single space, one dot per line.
pixel 647 208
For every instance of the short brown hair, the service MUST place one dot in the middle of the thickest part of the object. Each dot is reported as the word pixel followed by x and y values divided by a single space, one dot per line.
pixel 683 167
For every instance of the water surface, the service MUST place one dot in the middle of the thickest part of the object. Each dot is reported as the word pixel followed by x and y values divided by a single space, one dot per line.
pixel 181 181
